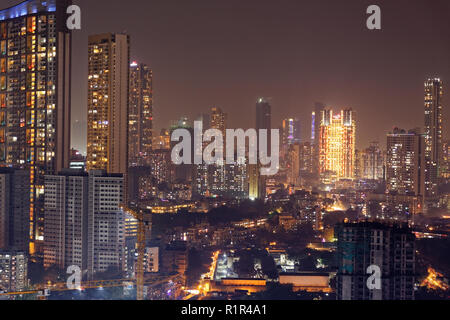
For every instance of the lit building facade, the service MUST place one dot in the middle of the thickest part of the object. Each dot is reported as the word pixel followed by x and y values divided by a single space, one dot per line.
pixel 446 159
pixel 14 271
pixel 218 120
pixel 337 144
pixel 140 114
pixel 433 135
pixel 35 55
pixel 306 157
pixel 405 163
pixel 293 165
pixel 108 82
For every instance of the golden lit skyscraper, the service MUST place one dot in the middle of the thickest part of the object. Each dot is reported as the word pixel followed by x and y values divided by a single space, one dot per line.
pixel 140 114
pixel 108 103
pixel 337 144
pixel 254 191
pixel 35 54
pixel 108 81
pixel 433 135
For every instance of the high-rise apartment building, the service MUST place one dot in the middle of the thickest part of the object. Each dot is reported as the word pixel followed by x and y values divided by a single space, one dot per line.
pixel 84 222
pixel 14 271
pixel 108 82
pixel 35 55
pixel 106 226
pixel 293 164
pixel 337 137
pixel 66 218
pixel 370 163
pixel 140 114
pixel 14 209
pixel 433 135
pixel 391 249
pixel 405 163
pixel 306 157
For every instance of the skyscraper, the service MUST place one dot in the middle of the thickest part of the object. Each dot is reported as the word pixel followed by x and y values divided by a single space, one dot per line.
pixel 263 114
pixel 365 244
pixel 35 55
pixel 66 218
pixel 337 144
pixel 306 157
pixel 433 135
pixel 108 82
pixel 217 183
pixel 405 163
pixel 84 222
pixel 257 182
pixel 140 114
pixel 218 120
pixel 290 132
pixel 315 134
pixel 293 164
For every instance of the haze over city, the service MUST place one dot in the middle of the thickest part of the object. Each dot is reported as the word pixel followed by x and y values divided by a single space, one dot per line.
pixel 227 54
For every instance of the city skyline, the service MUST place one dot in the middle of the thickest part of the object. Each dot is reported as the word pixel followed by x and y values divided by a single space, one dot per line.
pixel 338 188
pixel 341 65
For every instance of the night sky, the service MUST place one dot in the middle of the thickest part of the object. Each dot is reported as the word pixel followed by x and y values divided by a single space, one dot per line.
pixel 208 53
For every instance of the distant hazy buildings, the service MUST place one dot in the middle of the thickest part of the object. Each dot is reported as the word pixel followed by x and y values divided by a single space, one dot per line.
pixel 218 120
pixel 35 55
pixel 290 131
pixel 257 183
pixel 219 179
pixel 293 164
pixel 108 81
pixel 263 114
pixel 370 163
pixel 337 144
pixel 446 159
pixel 433 135
pixel 315 134
pixel 140 114
pixel 391 249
